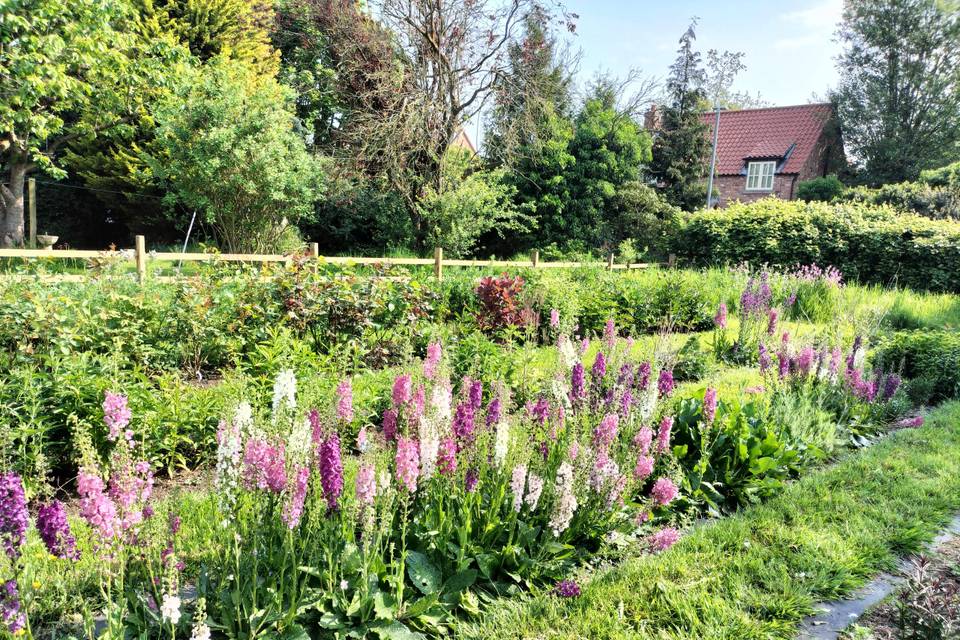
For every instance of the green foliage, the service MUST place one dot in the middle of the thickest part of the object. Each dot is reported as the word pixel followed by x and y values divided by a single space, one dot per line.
pixel 739 459
pixel 693 361
pixel 111 163
pixel 305 66
pixel 540 173
pixel 823 189
pixel 231 29
pixel 609 151
pixel 44 405
pixel 898 98
pixel 681 145
pixel 231 152
pixel 946 176
pixel 929 359
pixel 355 218
pixel 61 59
pixel 869 244
pixel 70 67
pixel 472 202
pixel 531 98
pixel 910 197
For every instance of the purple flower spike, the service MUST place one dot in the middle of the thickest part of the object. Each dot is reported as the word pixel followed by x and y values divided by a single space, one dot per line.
pixel 567 589
pixel 13 514
pixel 55 531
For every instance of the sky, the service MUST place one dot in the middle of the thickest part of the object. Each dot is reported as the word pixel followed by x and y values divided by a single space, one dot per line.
pixel 789 46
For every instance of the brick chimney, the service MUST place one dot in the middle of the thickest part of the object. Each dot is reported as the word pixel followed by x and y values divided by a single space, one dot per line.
pixel 652 119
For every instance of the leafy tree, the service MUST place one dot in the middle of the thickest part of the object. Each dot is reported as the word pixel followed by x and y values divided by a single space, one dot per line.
pixel 111 162
pixel 473 202
pixel 609 151
pixel 234 29
pixel 681 145
pixel 534 85
pixel 530 127
pixel 307 67
pixel 229 150
pixel 356 217
pixel 66 74
pixel 432 73
pixel 899 97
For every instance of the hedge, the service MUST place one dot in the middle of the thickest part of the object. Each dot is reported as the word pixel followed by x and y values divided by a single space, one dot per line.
pixel 867 243
pixel 930 360
pixel 909 197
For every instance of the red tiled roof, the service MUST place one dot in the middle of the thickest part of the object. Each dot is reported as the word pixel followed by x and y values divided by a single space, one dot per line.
pixel 768 133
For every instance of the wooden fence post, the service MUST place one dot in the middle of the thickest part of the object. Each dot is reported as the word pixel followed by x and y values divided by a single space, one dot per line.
pixel 535 258
pixel 672 260
pixel 314 250
pixel 32 196
pixel 140 253
pixel 438 263
pixel 610 262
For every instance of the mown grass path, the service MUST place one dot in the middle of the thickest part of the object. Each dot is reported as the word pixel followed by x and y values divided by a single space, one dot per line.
pixel 756 574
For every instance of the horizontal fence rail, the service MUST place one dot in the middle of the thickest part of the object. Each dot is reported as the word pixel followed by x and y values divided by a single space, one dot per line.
pixel 140 257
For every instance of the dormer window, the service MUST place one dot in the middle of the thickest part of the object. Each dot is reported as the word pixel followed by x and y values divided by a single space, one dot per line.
pixel 760 175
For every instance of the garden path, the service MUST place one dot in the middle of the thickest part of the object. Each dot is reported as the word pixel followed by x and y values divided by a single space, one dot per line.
pixel 836 615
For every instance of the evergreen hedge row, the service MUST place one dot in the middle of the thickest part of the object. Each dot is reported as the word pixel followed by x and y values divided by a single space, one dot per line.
pixel 870 244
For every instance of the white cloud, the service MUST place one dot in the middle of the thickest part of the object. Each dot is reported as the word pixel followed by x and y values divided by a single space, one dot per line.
pixel 820 17
pixel 812 26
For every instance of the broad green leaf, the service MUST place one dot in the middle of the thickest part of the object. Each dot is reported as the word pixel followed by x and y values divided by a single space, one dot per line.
pixel 460 581
pixel 421 606
pixel 423 574
pixel 398 631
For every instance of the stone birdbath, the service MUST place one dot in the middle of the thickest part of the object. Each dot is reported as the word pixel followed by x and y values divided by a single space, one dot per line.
pixel 47 241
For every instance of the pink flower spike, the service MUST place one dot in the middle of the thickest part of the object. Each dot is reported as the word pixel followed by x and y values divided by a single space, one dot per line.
pixel 664 491
pixel 345 401
pixel 408 463
pixel 663 539
pixel 402 390
pixel 434 352
pixel 116 414
pixel 663 436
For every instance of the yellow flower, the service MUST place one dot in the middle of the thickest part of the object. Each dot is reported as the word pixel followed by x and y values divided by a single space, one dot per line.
pixel 36 585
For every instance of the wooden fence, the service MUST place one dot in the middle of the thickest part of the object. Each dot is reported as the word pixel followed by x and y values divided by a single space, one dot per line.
pixel 140 257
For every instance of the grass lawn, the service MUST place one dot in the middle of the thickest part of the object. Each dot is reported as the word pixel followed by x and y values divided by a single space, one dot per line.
pixel 756 574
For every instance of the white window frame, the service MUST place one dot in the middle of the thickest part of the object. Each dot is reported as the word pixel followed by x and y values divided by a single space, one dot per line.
pixel 760 175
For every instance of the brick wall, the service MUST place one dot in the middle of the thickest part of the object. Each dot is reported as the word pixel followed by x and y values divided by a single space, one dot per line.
pixel 827 157
pixel 733 188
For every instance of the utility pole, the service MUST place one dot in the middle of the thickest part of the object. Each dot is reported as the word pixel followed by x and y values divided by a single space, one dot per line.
pixel 32 203
pixel 723 69
pixel 713 157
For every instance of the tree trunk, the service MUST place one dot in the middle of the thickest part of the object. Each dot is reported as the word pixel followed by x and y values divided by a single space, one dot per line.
pixel 11 206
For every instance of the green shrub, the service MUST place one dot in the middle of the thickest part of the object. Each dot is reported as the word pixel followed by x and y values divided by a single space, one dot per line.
pixel 737 460
pixel 948 176
pixel 870 244
pixel 823 189
pixel 693 361
pixel 817 300
pixel 909 197
pixel 41 408
pixel 930 360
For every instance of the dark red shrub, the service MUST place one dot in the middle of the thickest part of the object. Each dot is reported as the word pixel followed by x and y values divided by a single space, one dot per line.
pixel 501 305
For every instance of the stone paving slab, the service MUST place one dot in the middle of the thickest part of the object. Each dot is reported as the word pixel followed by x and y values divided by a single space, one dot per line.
pixel 836 615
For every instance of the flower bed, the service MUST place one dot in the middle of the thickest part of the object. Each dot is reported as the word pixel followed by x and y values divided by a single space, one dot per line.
pixel 453 497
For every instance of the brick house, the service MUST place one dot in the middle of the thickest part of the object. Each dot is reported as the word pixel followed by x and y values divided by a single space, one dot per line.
pixel 763 152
